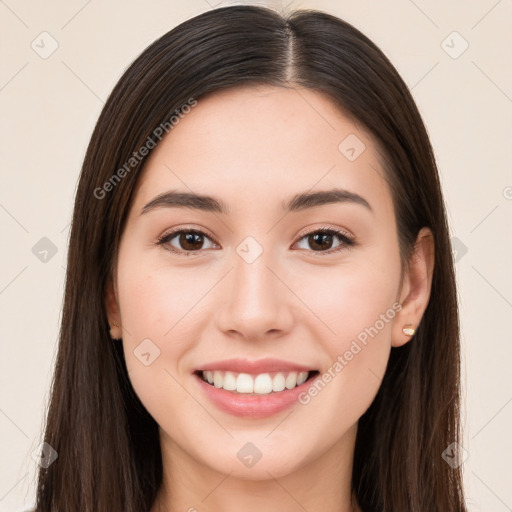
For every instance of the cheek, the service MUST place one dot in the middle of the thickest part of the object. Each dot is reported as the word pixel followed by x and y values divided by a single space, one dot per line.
pixel 357 313
pixel 351 300
pixel 152 314
pixel 154 302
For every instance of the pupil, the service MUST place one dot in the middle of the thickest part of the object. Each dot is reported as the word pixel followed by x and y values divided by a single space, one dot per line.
pixel 188 239
pixel 321 237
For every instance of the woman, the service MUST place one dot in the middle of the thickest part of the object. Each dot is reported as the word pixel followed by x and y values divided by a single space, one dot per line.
pixel 260 307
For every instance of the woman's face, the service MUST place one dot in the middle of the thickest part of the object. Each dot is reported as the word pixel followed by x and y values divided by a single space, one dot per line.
pixel 263 279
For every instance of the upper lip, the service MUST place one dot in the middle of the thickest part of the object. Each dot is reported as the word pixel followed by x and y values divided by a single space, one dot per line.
pixel 255 367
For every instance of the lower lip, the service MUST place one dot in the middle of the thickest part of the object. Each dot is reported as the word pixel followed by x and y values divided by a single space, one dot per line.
pixel 253 406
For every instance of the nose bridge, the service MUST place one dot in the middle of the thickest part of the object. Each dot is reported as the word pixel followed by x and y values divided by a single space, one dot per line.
pixel 257 300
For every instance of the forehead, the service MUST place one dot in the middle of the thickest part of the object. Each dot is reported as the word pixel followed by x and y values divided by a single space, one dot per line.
pixel 258 144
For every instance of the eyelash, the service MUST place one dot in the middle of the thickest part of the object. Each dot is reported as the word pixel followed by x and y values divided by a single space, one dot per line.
pixel 348 242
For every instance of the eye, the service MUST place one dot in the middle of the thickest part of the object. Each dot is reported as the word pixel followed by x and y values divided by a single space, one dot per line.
pixel 323 239
pixel 190 240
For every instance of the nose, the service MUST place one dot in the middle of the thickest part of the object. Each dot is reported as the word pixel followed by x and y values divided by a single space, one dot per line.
pixel 258 303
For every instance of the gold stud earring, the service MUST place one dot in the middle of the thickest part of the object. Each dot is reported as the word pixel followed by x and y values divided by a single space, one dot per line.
pixel 408 330
pixel 111 335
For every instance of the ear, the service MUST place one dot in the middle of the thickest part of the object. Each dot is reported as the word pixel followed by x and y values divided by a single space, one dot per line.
pixel 415 292
pixel 113 313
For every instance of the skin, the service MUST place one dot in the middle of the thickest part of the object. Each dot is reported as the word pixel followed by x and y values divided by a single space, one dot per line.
pixel 253 147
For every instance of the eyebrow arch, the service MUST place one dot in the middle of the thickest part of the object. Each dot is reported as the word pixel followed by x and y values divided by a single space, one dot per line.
pixel 302 201
pixel 311 199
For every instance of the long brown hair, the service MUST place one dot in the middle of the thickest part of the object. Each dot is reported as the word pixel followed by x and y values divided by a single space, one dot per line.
pixel 107 443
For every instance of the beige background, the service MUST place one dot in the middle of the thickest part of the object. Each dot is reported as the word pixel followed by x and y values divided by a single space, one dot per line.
pixel 49 107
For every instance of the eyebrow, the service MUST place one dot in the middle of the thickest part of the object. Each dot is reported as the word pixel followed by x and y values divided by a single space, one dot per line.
pixel 301 201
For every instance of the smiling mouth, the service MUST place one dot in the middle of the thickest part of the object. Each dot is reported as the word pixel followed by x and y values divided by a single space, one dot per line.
pixel 256 384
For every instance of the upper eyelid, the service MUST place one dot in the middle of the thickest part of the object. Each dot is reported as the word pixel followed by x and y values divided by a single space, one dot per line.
pixel 303 234
pixel 326 227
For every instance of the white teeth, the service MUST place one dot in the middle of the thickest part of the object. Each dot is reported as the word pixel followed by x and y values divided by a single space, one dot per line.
pixel 261 384
pixel 278 382
pixel 217 379
pixel 302 377
pixel 291 380
pixel 244 383
pixel 229 381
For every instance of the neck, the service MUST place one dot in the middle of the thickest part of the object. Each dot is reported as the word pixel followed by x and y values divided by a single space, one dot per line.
pixel 323 484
